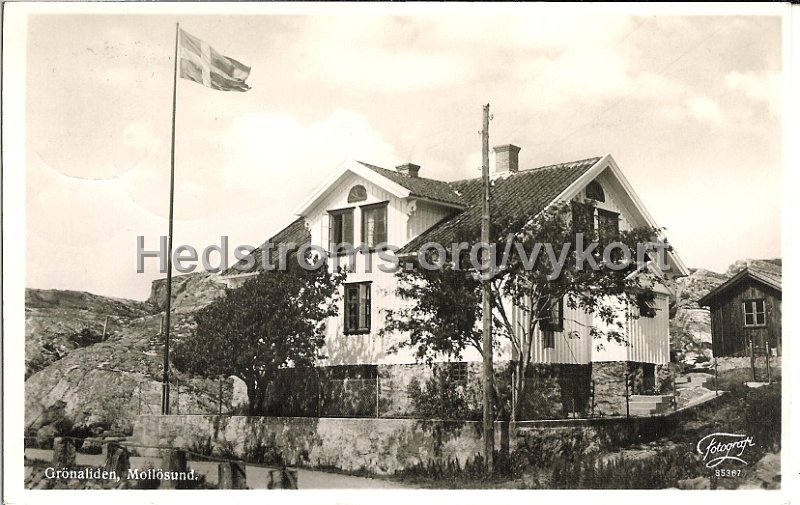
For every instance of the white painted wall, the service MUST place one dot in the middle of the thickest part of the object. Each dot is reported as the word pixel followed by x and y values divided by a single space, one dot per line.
pixel 406 219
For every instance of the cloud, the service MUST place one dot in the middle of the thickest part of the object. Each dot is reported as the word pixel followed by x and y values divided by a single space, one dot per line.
pixel 703 108
pixel 760 87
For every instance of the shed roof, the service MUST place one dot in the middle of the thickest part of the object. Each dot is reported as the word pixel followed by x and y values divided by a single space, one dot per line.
pixel 770 278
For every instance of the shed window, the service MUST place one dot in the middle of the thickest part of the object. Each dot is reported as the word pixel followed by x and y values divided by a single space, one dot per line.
pixel 357 309
pixel 755 313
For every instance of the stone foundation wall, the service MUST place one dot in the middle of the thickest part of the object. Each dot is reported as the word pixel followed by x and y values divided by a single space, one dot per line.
pixel 609 387
pixel 730 363
pixel 551 391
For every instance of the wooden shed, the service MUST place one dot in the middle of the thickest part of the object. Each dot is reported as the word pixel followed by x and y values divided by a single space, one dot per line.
pixel 744 308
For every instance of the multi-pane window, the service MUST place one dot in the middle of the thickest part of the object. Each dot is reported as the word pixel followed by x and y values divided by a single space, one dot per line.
pixel 551 320
pixel 755 313
pixel 357 310
pixel 607 224
pixel 373 225
pixel 583 219
pixel 647 305
pixel 458 373
pixel 340 229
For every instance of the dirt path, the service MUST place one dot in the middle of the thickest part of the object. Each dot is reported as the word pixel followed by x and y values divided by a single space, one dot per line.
pixel 256 477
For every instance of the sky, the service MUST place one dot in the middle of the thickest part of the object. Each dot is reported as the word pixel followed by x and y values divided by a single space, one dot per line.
pixel 688 106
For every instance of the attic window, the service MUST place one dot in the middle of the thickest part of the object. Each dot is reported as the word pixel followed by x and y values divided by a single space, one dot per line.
pixel 595 191
pixel 357 194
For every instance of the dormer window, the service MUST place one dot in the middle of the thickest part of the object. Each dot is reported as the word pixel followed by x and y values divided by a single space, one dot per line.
pixel 373 224
pixel 594 191
pixel 357 194
pixel 340 229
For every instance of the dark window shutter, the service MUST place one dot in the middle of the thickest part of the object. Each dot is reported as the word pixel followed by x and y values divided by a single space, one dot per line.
pixel 331 232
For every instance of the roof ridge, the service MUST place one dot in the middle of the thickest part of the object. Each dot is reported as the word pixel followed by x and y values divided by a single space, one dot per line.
pixel 543 167
pixel 369 165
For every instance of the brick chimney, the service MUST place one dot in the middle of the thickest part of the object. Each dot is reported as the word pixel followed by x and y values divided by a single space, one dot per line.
pixel 408 169
pixel 506 158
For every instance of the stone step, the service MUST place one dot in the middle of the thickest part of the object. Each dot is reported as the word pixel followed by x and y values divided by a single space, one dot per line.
pixel 647 410
pixel 696 383
pixel 651 399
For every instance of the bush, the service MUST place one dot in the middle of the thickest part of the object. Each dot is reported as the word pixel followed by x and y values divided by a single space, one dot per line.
pixel 441 397
pixel 453 470
pixel 661 471
pixel 203 446
pixel 264 452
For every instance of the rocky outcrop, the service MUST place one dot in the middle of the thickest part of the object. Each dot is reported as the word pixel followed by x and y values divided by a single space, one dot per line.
pixel 58 322
pixel 104 386
pixel 189 292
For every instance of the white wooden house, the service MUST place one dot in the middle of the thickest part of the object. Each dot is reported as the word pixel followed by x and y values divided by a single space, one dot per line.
pixel 365 205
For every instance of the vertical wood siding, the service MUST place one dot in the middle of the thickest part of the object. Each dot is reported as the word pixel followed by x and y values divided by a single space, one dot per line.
pixel 730 337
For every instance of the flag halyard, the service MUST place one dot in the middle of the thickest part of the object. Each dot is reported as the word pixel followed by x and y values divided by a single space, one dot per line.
pixel 199 62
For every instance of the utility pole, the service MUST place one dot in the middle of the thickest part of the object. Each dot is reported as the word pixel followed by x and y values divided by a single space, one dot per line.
pixel 486 341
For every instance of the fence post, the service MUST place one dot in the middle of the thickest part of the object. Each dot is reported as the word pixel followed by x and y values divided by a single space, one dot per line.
pixel 766 356
pixel 140 398
pixel 716 378
pixel 220 395
pixel 105 327
pixel 117 459
pixel 177 396
pixel 173 460
pixel 63 453
pixel 627 400
pixel 232 475
pixel 378 396
pixel 282 479
pixel 752 360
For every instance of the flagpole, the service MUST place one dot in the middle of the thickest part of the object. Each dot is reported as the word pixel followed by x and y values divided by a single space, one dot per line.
pixel 165 380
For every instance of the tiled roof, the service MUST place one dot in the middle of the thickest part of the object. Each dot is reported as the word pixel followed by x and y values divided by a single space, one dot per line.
pixel 524 193
pixel 294 233
pixel 431 189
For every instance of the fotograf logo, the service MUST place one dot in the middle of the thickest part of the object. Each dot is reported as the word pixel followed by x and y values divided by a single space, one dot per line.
pixel 719 447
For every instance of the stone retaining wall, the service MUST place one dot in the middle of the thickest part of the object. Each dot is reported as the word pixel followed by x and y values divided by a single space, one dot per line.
pixel 380 446
pixel 385 446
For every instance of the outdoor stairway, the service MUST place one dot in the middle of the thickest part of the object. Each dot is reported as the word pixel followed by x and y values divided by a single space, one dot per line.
pixel 648 405
pixel 695 380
